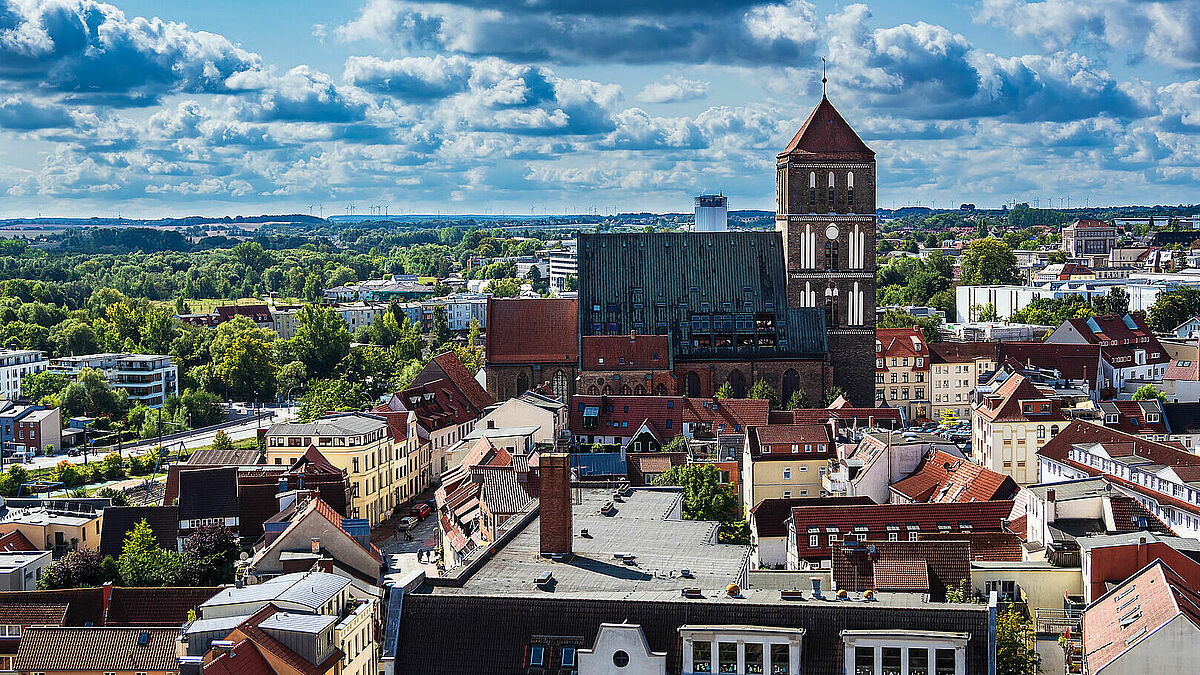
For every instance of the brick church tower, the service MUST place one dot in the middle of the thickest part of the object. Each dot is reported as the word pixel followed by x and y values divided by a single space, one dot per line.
pixel 825 208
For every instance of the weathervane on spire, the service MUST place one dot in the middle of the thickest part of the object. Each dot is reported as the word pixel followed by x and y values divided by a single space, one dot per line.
pixel 824 79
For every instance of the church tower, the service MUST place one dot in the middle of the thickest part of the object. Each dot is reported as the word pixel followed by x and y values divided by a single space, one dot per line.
pixel 825 208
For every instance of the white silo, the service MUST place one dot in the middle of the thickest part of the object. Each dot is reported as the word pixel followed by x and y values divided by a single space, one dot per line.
pixel 712 213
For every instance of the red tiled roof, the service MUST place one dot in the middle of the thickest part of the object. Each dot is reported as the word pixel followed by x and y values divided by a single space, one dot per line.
pixel 629 412
pixel 842 520
pixel 961 352
pixel 1075 362
pixel 826 133
pixel 243 659
pixel 791 442
pixel 97 649
pixel 625 352
pixel 262 640
pixel 1115 442
pixel 532 331
pixel 901 575
pixel 155 606
pixel 900 342
pixel 1017 526
pixel 901 565
pixel 1007 408
pixel 985 546
pixel 16 542
pixel 942 477
pixel 1118 621
pixel 1132 417
pixel 770 515
pixel 1111 328
pixel 33 613
pixel 256 313
pixel 466 383
pixel 1187 370
pixel 397 421
pixel 1129 515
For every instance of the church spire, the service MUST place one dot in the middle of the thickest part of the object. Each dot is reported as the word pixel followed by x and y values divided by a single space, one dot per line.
pixel 824 80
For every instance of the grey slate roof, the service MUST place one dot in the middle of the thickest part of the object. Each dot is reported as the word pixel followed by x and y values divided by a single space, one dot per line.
pixel 119 520
pixel 309 589
pixel 509 624
pixel 298 623
pixel 726 269
pixel 208 493
pixel 234 457
pixel 341 424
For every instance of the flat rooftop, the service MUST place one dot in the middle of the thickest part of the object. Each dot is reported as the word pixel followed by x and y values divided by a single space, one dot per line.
pixel 645 524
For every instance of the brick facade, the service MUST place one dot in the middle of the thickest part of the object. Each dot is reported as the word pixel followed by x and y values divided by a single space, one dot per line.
pixel 785 376
pixel 505 381
pixel 826 212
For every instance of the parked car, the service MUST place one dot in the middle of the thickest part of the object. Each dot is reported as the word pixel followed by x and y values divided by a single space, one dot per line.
pixel 420 510
pixel 407 522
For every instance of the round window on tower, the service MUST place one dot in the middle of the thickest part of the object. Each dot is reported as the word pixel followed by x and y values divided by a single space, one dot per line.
pixel 831 231
pixel 620 659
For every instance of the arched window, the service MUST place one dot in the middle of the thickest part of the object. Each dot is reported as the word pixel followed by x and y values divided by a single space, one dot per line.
pixel 829 311
pixel 738 384
pixel 850 191
pixel 1053 430
pixel 559 385
pixel 625 390
pixel 1041 431
pixel 639 390
pixel 607 391
pixel 522 383
pixel 812 189
pixel 830 198
pixel 660 389
pixel 831 255
pixel 593 390
pixel 791 384
pixel 693 384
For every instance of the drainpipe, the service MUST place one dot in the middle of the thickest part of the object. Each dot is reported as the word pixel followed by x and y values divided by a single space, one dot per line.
pixel 992 603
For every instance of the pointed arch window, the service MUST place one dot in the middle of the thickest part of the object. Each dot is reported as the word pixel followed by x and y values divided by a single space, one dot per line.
pixel 829 199
pixel 812 189
pixel 850 191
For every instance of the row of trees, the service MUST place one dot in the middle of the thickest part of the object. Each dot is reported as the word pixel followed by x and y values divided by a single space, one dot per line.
pixel 207 559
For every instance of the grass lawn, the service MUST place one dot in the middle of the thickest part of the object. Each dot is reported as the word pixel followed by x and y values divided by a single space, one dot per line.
pixel 208 305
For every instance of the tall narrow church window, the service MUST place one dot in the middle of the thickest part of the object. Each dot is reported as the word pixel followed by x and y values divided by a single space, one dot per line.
pixel 829 310
pixel 812 189
pixel 829 200
pixel 850 191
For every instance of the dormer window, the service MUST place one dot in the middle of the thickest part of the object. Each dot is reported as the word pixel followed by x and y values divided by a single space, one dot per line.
pixel 537 655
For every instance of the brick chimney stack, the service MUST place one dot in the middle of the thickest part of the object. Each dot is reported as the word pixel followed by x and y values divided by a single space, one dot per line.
pixel 555 511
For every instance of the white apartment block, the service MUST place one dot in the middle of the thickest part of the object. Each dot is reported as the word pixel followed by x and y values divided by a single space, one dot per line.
pixel 564 263
pixel 15 364
pixel 147 378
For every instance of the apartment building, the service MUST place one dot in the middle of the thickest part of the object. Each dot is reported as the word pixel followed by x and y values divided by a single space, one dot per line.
pixel 954 372
pixel 359 443
pixel 564 263
pixel 782 461
pixel 15 364
pixel 902 370
pixel 147 378
pixel 1088 237
pixel 1010 425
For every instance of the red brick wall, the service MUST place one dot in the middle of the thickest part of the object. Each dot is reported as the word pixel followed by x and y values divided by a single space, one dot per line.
pixel 1118 563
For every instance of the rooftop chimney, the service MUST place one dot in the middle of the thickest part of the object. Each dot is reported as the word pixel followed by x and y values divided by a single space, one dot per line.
pixel 1051 507
pixel 555 511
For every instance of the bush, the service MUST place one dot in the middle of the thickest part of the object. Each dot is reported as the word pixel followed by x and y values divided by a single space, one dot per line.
pixel 68 474
pixel 117 497
pixel 112 467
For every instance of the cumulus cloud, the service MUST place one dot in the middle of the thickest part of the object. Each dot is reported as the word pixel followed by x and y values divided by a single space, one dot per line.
pixel 1162 31
pixel 673 90
pixel 929 72
pixel 26 115
pixel 90 47
pixel 574 31
pixel 303 94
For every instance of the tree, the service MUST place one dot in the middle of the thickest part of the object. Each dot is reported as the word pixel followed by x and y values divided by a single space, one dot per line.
pixel 1173 307
pixel 762 390
pixel 248 368
pixel 441 328
pixel 1148 392
pixel 158 329
pixel 505 288
pixel 90 394
pixel 221 442
pixel 1015 653
pixel 115 497
pixel 76 569
pixel 1116 303
pixel 37 386
pixel 473 332
pixel 896 319
pixel 986 312
pixel 1056 257
pixel 960 593
pixel 201 408
pixel 142 562
pixel 213 549
pixel 73 337
pixel 331 396
pixel 832 394
pixel 704 497
pixel 724 391
pixel 799 400
pixel 989 261
pixel 322 339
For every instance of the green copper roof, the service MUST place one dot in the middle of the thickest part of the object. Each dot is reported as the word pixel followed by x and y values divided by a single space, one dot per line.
pixel 701 288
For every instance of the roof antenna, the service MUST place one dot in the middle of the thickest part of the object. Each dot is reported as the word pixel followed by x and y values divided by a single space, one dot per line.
pixel 824 79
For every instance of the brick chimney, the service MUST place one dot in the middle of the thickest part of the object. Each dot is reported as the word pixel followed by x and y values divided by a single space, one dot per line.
pixel 555 511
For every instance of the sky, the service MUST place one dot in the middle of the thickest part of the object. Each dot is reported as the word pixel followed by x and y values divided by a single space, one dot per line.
pixel 227 107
